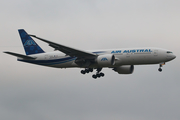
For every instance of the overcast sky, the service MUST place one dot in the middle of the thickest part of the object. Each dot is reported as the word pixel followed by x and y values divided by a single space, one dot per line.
pixel 31 92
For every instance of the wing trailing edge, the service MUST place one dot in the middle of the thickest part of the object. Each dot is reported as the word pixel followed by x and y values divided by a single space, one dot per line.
pixel 68 50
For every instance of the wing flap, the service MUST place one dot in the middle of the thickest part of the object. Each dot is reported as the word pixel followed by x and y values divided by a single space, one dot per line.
pixel 20 55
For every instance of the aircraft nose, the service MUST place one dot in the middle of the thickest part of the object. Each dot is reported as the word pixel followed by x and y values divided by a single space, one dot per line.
pixel 173 57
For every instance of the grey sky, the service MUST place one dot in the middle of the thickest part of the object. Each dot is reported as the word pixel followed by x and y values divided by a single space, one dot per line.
pixel 41 93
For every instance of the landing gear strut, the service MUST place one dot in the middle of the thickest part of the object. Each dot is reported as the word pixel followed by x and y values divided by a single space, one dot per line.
pixel 160 67
pixel 98 75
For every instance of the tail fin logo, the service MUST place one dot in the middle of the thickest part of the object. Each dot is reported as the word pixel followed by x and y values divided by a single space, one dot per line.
pixel 29 43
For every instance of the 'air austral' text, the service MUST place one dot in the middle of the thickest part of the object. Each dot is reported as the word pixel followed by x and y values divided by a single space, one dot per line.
pixel 133 51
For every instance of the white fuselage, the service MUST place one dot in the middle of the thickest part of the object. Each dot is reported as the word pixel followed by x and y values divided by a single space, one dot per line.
pixel 127 56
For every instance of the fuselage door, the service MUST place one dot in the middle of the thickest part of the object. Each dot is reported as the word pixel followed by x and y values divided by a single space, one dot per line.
pixel 155 52
pixel 46 57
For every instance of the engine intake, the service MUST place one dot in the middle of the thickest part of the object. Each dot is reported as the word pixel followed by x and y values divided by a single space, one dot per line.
pixel 105 60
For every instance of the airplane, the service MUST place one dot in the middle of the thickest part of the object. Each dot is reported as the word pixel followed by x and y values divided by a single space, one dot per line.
pixel 120 60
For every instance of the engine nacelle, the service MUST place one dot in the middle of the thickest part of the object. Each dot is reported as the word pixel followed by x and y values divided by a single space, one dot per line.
pixel 125 69
pixel 105 60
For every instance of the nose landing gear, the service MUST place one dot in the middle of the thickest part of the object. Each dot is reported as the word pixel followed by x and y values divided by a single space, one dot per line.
pixel 160 67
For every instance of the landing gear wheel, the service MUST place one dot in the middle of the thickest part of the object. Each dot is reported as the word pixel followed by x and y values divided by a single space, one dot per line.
pixel 102 74
pixel 83 72
pixel 160 69
pixel 90 70
pixel 98 75
pixel 86 70
pixel 94 76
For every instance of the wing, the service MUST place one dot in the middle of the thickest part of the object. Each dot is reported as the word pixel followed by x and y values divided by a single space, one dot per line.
pixel 68 50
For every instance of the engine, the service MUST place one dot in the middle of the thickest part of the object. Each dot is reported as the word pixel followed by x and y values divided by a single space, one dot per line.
pixel 125 69
pixel 105 60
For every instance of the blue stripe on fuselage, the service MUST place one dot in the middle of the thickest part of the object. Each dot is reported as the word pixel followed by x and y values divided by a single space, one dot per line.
pixel 49 62
pixel 99 52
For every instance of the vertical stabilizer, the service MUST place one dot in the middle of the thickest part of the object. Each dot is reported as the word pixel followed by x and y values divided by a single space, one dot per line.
pixel 30 46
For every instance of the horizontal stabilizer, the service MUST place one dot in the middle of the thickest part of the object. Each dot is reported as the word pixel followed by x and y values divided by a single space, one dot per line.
pixel 20 55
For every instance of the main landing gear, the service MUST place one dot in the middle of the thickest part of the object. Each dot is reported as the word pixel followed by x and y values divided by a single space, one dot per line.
pixel 160 67
pixel 97 75
pixel 87 70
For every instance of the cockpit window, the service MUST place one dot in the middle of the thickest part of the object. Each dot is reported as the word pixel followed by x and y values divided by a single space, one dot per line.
pixel 169 52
